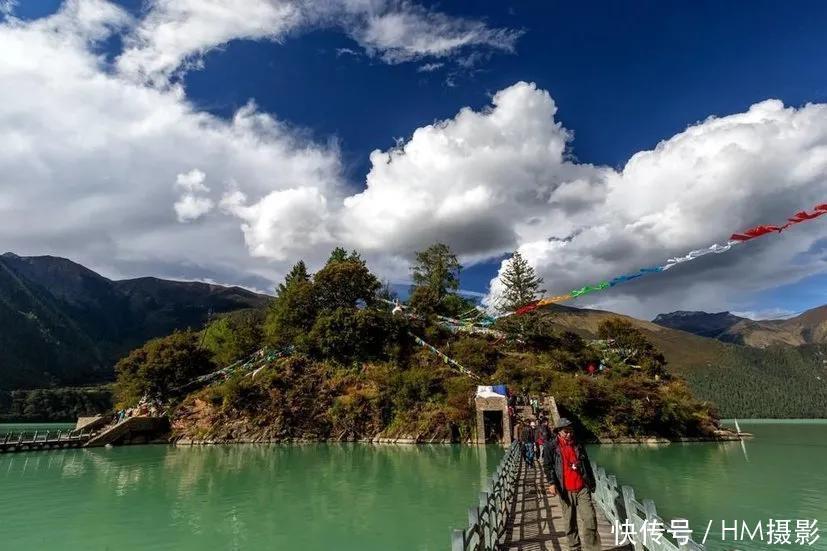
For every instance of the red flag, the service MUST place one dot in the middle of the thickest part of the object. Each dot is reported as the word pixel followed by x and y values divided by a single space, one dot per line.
pixel 752 233
pixel 804 215
pixel 527 308
pixel 821 207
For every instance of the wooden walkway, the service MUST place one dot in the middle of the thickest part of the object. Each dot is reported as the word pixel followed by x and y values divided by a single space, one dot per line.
pixel 536 523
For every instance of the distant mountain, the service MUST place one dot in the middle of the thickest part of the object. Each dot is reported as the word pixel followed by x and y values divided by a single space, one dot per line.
pixel 714 326
pixel 807 328
pixel 773 380
pixel 63 324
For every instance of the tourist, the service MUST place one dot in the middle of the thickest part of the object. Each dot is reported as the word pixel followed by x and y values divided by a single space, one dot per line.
pixel 569 475
pixel 527 438
pixel 535 406
pixel 543 435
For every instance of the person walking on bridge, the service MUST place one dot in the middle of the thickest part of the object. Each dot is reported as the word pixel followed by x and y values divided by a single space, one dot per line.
pixel 570 477
pixel 527 437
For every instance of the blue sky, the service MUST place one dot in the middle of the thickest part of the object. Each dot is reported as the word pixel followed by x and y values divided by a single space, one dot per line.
pixel 623 76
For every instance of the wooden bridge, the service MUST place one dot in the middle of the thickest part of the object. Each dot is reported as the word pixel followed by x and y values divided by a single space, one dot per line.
pixel 516 513
pixel 40 440
pixel 90 434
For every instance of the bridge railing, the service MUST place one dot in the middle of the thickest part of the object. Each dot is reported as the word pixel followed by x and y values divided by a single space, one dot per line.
pixel 621 506
pixel 487 522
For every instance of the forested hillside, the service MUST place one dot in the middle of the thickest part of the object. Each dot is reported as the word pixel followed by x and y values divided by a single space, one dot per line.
pixel 343 363
pixel 744 381
pixel 62 324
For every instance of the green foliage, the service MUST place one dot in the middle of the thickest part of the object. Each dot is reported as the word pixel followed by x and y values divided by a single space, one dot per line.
pixel 234 336
pixel 632 346
pixel 520 284
pixel 342 283
pixel 776 382
pixel 160 366
pixel 292 312
pixel 349 335
pixel 54 404
pixel 478 355
pixel 437 269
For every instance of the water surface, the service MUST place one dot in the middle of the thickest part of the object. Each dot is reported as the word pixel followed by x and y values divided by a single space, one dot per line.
pixel 779 474
pixel 304 497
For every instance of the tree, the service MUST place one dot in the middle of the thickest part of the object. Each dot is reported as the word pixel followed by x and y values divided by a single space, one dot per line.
pixel 520 284
pixel 292 312
pixel 632 346
pixel 337 255
pixel 437 269
pixel 160 367
pixel 343 283
pixel 234 336
pixel 297 273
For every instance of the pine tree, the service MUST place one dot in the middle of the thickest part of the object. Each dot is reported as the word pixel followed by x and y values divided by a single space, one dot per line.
pixel 338 255
pixel 520 284
pixel 297 273
pixel 437 269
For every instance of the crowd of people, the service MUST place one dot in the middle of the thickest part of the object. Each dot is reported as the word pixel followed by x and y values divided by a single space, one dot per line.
pixel 146 407
pixel 567 470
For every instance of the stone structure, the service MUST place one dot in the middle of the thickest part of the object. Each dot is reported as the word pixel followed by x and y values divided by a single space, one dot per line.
pixel 495 404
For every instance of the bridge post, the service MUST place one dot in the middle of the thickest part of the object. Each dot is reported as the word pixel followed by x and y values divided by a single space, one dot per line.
pixel 458 540
pixel 631 515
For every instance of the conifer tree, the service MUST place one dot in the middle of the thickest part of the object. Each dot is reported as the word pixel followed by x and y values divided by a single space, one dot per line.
pixel 520 284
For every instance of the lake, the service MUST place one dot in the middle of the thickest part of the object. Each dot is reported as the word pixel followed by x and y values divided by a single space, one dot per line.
pixel 779 474
pixel 358 496
pixel 306 497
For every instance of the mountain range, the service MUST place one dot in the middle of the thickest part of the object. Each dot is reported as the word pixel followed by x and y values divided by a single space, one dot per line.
pixel 63 324
pixel 783 375
pixel 809 327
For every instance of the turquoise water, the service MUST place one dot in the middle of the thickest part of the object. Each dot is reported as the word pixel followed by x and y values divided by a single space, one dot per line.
pixel 305 497
pixel 363 497
pixel 779 474
pixel 31 427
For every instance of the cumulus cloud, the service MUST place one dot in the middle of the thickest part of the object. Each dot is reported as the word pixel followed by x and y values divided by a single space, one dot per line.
pixel 98 188
pixel 192 204
pixel 718 176
pixel 87 157
pixel 176 33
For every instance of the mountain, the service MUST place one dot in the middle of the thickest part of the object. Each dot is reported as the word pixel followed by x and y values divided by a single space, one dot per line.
pixel 807 328
pixel 63 324
pixel 714 326
pixel 775 380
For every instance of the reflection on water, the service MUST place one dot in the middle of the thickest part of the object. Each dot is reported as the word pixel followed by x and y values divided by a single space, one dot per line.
pixel 350 496
pixel 358 496
pixel 783 476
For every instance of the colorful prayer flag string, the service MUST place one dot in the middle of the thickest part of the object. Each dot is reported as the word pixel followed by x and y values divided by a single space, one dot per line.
pixel 735 239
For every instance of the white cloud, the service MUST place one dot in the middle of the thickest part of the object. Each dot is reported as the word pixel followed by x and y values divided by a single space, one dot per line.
pixel 190 207
pixel 429 67
pixel 7 7
pixel 175 34
pixel 192 181
pixel 88 157
pixel 719 176
pixel 284 223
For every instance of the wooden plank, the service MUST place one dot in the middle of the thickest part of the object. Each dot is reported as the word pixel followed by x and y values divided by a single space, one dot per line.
pixel 536 519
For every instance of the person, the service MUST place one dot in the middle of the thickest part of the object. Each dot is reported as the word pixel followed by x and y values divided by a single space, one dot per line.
pixel 527 438
pixel 543 435
pixel 535 406
pixel 569 476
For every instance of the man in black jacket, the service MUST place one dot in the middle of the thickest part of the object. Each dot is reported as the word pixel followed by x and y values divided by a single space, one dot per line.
pixel 569 475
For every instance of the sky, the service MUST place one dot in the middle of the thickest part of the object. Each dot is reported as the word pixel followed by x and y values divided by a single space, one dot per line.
pixel 224 140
